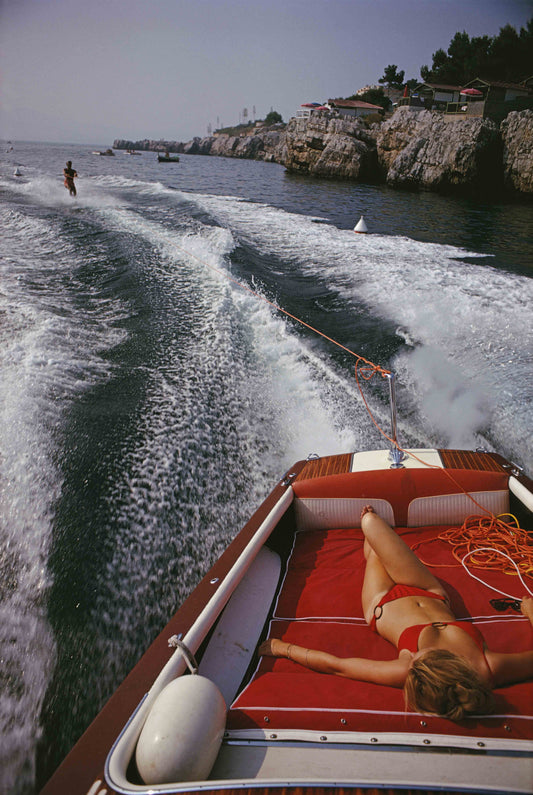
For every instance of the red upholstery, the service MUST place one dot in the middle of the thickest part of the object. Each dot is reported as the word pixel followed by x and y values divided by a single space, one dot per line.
pixel 400 486
pixel 322 574
pixel 285 695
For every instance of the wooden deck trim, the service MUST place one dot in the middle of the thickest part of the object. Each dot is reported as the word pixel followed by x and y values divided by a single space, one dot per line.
pixel 328 465
pixel 467 459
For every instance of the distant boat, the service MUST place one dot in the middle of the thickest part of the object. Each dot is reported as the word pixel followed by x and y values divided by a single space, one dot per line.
pixel 132 152
pixel 168 158
pixel 107 153
pixel 17 172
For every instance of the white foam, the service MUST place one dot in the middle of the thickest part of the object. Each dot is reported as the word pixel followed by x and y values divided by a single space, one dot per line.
pixel 471 319
pixel 50 192
pixel 50 351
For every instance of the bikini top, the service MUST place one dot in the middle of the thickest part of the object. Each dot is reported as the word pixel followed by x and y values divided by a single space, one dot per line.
pixel 409 637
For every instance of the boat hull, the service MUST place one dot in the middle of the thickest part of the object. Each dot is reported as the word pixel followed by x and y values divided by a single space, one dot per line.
pixel 307 759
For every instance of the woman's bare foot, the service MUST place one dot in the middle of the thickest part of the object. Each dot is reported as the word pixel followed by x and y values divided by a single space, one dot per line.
pixel 527 607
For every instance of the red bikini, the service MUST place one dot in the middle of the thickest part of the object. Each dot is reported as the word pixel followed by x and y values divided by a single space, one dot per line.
pixel 409 637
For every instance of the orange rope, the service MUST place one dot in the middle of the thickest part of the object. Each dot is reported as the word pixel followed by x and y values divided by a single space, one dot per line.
pixel 491 531
pixel 481 538
pixel 368 373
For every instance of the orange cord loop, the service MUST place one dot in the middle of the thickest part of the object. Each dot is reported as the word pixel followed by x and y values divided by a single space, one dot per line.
pixel 493 532
pixel 482 538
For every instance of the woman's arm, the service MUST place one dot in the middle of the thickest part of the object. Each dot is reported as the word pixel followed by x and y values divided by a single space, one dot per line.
pixel 381 672
pixel 508 668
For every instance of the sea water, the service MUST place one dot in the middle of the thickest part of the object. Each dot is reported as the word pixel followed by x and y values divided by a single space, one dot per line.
pixel 148 402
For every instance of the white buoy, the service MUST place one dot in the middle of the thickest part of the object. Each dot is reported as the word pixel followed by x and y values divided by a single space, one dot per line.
pixel 361 228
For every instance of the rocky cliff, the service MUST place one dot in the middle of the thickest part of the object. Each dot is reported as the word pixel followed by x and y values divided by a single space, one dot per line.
pixel 517 135
pixel 412 150
pixel 330 147
pixel 268 144
pixel 148 145
pixel 436 152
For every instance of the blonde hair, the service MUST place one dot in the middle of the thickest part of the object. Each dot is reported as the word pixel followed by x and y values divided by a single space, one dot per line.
pixel 442 683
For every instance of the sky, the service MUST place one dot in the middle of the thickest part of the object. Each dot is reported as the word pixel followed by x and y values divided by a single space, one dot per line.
pixel 90 71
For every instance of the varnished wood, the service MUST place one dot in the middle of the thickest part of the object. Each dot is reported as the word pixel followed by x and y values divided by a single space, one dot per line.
pixel 467 459
pixel 328 465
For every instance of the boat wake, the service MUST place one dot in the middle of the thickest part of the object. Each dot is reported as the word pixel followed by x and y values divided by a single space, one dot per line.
pixel 469 320
pixel 141 385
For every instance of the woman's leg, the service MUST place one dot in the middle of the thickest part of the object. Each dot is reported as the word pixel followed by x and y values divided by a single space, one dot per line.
pixel 376 583
pixel 398 561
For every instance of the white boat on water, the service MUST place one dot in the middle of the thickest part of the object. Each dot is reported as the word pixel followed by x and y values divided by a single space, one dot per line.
pixel 208 707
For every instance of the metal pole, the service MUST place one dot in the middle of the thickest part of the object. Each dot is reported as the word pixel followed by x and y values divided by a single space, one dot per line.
pixel 396 455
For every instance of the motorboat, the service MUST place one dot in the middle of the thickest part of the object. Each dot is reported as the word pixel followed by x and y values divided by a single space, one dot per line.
pixel 202 712
pixel 106 153
pixel 168 158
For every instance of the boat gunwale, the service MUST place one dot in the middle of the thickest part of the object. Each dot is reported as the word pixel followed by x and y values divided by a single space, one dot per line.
pixel 193 639
pixel 111 720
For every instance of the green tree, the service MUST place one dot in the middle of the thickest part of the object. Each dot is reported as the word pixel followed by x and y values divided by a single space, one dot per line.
pixel 507 56
pixel 273 117
pixel 392 77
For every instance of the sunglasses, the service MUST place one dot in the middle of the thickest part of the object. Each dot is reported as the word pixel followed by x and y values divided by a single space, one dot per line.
pixel 505 604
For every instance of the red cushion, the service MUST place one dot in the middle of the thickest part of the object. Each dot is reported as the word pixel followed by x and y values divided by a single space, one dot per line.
pixel 293 697
pixel 326 569
pixel 323 579
pixel 400 486
pixel 322 574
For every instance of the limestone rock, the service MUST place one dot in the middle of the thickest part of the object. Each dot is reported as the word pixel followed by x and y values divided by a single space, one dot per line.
pixel 330 147
pixel 148 145
pixel 517 135
pixel 431 151
pixel 417 150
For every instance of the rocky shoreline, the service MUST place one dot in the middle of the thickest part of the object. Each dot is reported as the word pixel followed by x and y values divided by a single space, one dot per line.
pixel 412 150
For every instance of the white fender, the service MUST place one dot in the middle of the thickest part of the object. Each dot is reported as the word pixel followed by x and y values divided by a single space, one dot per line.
pixel 182 734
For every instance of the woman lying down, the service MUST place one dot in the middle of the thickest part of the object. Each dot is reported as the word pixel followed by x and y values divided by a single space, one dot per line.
pixel 443 665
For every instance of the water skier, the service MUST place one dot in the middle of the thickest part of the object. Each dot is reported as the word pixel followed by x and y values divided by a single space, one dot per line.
pixel 69 175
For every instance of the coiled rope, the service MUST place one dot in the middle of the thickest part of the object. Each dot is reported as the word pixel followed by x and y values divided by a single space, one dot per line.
pixel 485 540
pixel 492 550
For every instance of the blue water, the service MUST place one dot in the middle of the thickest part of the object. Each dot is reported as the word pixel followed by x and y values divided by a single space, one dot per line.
pixel 148 403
